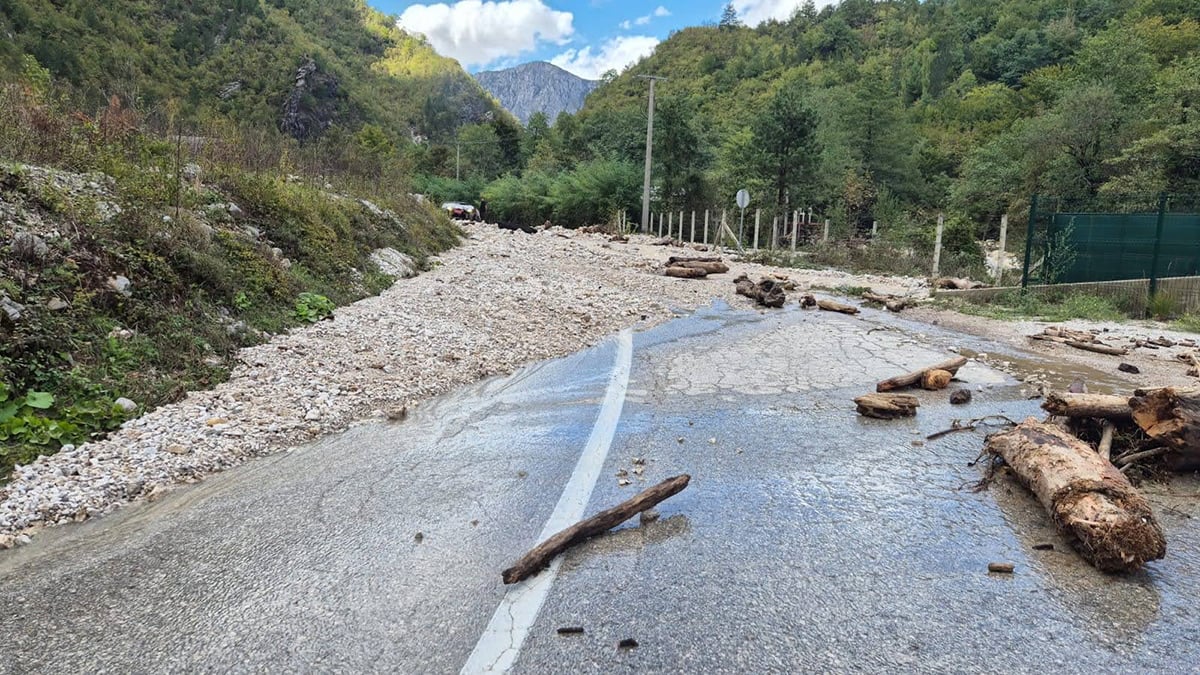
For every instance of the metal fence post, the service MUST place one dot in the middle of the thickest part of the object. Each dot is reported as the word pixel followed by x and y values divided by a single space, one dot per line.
pixel 1158 234
pixel 1033 207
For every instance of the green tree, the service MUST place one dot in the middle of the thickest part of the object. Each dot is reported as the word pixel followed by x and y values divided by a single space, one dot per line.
pixel 785 140
pixel 729 18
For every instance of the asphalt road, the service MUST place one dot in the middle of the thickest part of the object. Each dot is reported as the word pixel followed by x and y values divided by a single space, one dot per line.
pixel 810 539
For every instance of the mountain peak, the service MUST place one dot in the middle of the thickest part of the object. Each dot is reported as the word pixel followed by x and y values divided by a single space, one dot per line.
pixel 537 86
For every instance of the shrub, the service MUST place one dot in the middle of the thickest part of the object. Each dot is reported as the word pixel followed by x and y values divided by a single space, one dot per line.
pixel 312 307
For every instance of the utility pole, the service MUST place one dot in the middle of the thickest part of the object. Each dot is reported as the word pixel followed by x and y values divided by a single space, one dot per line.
pixel 649 152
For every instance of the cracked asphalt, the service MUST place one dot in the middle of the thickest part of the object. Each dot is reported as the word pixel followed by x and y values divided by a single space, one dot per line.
pixel 810 539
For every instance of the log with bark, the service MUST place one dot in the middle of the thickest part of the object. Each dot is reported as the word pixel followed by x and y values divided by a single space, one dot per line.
pixel 709 265
pixel 808 301
pixel 1103 406
pixel 831 306
pixel 957 284
pixel 936 380
pixel 887 406
pixel 1098 348
pixel 1190 359
pixel 1093 504
pixel 1171 416
pixel 536 560
pixel 893 303
pixel 766 292
pixel 915 377
pixel 685 272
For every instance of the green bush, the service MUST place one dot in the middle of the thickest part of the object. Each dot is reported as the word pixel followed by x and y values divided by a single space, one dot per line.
pixel 312 307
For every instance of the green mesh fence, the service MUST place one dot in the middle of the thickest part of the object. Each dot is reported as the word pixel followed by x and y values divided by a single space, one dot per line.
pixel 1146 238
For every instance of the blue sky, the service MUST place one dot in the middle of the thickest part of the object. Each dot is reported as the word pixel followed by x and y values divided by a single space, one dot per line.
pixel 587 37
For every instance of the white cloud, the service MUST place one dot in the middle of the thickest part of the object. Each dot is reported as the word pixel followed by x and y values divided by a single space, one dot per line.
pixel 754 12
pixel 478 32
pixel 617 54
pixel 659 12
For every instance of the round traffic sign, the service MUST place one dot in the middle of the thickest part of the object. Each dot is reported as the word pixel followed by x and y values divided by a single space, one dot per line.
pixel 743 199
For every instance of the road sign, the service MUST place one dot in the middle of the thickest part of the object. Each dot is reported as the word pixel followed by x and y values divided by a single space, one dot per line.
pixel 743 199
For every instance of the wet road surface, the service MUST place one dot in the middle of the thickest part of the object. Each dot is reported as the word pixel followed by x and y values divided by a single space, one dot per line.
pixel 809 539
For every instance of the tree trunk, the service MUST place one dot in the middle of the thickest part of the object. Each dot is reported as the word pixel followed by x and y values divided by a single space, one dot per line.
pixel 831 306
pixel 685 272
pixel 915 377
pixel 1108 521
pixel 1172 417
pixel 1102 406
pixel 536 560
pixel 887 406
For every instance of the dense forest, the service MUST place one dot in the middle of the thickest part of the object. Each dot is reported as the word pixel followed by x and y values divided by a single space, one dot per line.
pixel 888 111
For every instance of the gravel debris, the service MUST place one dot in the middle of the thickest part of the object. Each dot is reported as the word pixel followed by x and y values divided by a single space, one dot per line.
pixel 500 301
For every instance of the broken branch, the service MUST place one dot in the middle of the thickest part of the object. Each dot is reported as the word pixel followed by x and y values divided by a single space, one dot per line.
pixel 916 376
pixel 1065 404
pixel 536 560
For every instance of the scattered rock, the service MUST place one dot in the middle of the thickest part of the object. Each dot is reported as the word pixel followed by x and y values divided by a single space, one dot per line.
pixel 121 284
pixel 56 304
pixel 960 397
pixel 419 537
pixel 394 263
pixel 126 405
pixel 177 449
pixel 1129 368
pixel 648 516
pixel 627 643
pixel 11 308
pixel 29 247
pixel 1043 547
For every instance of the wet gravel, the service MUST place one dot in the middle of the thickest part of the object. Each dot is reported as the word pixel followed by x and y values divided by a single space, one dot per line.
pixel 501 300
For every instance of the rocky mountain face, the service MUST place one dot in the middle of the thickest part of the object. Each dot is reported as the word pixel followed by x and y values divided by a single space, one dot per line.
pixel 537 87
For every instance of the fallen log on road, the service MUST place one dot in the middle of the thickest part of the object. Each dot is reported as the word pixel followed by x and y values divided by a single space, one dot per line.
pixel 831 306
pixel 709 265
pixel 1103 406
pixel 1172 417
pixel 536 560
pixel 685 272
pixel 766 292
pixel 893 303
pixel 887 406
pixel 1093 504
pixel 911 379
pixel 1098 348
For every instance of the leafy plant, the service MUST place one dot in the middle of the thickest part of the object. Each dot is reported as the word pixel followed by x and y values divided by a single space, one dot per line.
pixel 1162 306
pixel 241 302
pixel 312 307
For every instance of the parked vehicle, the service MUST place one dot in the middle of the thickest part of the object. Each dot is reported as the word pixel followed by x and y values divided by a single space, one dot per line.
pixel 459 211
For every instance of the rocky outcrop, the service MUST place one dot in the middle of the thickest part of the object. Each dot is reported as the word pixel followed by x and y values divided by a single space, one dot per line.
pixel 311 107
pixel 537 87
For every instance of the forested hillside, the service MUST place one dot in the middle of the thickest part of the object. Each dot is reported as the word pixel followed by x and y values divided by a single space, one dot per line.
pixel 241 60
pixel 894 110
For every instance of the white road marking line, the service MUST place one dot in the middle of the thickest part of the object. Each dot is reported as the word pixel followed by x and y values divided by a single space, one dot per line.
pixel 500 644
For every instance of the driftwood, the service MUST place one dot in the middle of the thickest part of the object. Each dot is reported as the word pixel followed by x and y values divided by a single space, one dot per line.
pixel 1190 359
pixel 1172 417
pixel 766 292
pixel 1091 502
pixel 831 306
pixel 887 406
pixel 936 380
pixel 1098 348
pixel 915 377
pixel 808 301
pixel 956 284
pixel 709 265
pixel 1065 404
pixel 667 241
pixel 1108 431
pixel 536 560
pixel 685 272
pixel 893 303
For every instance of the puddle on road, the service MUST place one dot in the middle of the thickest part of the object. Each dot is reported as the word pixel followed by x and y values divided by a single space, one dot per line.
pixel 1057 376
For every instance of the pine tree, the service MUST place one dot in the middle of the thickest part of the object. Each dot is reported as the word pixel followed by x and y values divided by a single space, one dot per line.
pixel 729 18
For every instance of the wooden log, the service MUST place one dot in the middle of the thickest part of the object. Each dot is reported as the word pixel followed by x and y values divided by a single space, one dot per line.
pixel 893 303
pixel 1068 334
pixel 1107 433
pixel 1108 522
pixel 957 284
pixel 709 267
pixel 690 259
pixel 936 380
pixel 831 306
pixel 1170 416
pixel 911 379
pixel 1097 348
pixel 685 272
pixel 1103 406
pixel 887 406
pixel 808 301
pixel 536 560
pixel 766 292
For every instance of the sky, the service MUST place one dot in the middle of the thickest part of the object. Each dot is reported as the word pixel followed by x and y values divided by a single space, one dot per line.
pixel 586 37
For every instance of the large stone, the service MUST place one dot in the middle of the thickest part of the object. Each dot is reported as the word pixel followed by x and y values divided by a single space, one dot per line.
pixel 126 405
pixel 121 284
pixel 11 308
pixel 394 263
pixel 29 247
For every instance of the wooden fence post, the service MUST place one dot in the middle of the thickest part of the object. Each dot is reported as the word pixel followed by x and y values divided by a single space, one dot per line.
pixel 706 227
pixel 874 228
pixel 693 237
pixel 660 223
pixel 937 246
pixel 825 239
pixel 670 217
pixel 795 230
pixel 757 220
